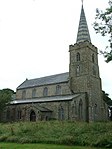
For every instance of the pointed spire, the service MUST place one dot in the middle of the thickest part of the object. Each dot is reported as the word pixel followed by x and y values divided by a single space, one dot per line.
pixel 83 32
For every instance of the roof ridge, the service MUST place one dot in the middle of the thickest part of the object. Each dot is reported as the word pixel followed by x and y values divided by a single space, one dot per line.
pixel 51 79
pixel 47 76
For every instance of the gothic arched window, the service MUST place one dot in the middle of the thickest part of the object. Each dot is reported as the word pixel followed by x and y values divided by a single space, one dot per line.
pixel 13 114
pixel 78 57
pixel 19 113
pixel 45 91
pixel 58 90
pixel 95 109
pixel 61 113
pixel 78 70
pixel 33 93
pixel 93 58
pixel 94 70
pixel 32 116
pixel 24 94
pixel 74 109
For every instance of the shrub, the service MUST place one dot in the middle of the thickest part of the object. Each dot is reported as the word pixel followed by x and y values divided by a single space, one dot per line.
pixel 67 140
pixel 55 132
pixel 12 139
pixel 3 138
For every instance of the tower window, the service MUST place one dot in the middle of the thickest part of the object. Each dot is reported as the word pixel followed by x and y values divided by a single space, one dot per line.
pixel 93 58
pixel 45 91
pixel 78 70
pixel 78 57
pixel 94 70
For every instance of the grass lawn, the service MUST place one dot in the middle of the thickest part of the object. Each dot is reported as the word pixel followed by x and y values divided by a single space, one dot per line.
pixel 39 146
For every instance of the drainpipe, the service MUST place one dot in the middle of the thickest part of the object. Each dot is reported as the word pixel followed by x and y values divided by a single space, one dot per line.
pixel 87 107
pixel 68 111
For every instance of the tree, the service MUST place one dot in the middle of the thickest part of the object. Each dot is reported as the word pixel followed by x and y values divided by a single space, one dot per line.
pixel 5 98
pixel 103 25
pixel 107 99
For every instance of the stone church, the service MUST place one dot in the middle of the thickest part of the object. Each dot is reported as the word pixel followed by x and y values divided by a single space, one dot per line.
pixel 75 95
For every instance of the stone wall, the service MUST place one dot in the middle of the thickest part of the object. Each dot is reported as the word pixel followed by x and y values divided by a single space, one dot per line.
pixel 74 109
pixel 85 77
pixel 65 89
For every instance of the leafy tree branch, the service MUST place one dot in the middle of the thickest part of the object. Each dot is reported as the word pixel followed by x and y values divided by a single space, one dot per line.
pixel 103 25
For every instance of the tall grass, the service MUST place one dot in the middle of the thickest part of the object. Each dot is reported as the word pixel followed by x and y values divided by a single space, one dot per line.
pixel 55 132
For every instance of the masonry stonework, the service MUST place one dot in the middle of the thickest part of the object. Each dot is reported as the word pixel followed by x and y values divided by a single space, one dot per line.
pixel 75 95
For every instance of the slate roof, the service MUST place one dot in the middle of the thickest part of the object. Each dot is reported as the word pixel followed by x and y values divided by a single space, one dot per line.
pixel 83 32
pixel 53 79
pixel 45 99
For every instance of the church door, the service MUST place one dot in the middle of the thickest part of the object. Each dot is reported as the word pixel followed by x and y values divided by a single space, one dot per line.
pixel 32 116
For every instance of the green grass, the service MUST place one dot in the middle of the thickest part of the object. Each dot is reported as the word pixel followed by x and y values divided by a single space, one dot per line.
pixel 55 132
pixel 38 146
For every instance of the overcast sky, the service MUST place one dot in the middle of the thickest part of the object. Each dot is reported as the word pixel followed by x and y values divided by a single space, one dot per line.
pixel 35 36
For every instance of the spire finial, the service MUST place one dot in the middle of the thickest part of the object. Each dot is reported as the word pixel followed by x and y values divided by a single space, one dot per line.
pixel 82 2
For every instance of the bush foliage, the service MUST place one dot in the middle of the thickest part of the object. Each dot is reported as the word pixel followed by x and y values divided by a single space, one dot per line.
pixel 55 132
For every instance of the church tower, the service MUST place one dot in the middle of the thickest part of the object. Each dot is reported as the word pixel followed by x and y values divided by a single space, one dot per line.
pixel 84 70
